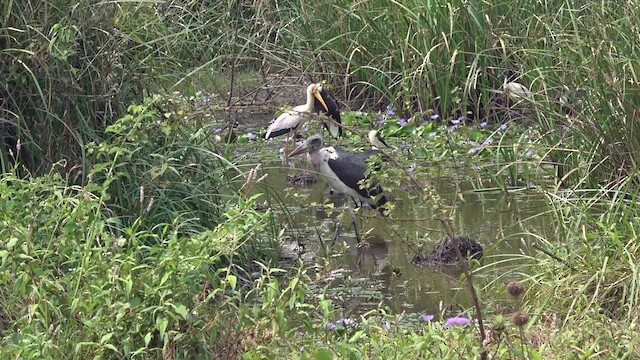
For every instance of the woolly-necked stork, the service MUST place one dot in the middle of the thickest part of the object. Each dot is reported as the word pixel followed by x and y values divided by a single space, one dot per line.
pixel 318 100
pixel 344 172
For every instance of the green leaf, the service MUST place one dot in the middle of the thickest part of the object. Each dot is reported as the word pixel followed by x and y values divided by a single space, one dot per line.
pixel 106 338
pixel 111 347
pixel 147 339
pixel 321 355
pixel 162 326
pixel 11 243
pixel 181 309
pixel 233 281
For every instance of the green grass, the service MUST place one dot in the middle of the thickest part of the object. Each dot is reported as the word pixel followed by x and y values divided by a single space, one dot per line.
pixel 120 210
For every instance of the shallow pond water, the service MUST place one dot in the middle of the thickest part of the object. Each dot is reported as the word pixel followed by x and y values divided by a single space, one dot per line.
pixel 381 272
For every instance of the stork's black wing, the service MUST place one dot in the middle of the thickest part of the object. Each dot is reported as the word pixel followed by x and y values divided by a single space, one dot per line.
pixel 351 169
pixel 333 112
pixel 281 132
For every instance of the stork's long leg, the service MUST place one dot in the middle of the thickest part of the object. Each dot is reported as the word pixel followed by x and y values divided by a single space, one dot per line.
pixel 286 145
pixel 354 221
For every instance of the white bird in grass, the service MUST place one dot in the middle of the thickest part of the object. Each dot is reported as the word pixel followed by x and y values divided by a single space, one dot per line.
pixel 344 172
pixel 514 90
pixel 318 100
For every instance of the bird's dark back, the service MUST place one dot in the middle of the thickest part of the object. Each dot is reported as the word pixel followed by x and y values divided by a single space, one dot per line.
pixel 332 104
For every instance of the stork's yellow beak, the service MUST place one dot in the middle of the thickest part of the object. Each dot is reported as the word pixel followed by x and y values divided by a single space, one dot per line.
pixel 316 93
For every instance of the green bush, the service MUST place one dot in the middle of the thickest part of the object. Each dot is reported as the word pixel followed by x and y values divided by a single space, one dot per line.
pixel 73 287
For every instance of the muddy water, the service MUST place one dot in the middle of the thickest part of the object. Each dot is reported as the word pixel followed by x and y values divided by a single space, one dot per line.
pixel 381 273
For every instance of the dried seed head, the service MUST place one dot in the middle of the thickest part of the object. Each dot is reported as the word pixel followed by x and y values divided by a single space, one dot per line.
pixel 515 289
pixel 520 319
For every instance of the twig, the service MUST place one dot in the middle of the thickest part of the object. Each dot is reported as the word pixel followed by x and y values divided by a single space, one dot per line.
pixel 233 62
pixel 554 257
pixel 469 277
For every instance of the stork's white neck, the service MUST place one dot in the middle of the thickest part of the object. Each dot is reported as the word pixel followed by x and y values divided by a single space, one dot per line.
pixel 308 107
pixel 309 103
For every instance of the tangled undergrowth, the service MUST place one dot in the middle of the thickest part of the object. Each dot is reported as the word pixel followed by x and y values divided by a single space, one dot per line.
pixel 127 229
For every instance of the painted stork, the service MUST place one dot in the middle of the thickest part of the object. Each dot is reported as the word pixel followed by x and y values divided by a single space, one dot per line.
pixel 318 100
pixel 515 91
pixel 344 172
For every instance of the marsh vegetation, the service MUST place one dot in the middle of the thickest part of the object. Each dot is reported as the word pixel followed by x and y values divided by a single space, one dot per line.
pixel 142 215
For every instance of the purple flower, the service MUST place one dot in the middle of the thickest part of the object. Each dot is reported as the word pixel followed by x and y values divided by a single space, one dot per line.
pixel 461 118
pixel 456 321
pixel 158 121
pixel 206 100
pixel 391 110
pixel 426 318
pixel 532 136
pixel 305 129
pixel 250 129
pixel 435 117
pixel 404 122
pixel 432 134
pixel 385 326
pixel 529 153
pixel 287 139
pixel 217 130
pixel 452 128
pixel 346 322
pixel 504 127
pixel 473 150
pixel 455 122
pixel 381 121
pixel 489 141
pixel 483 124
pixel 253 137
pixel 331 326
pixel 404 147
